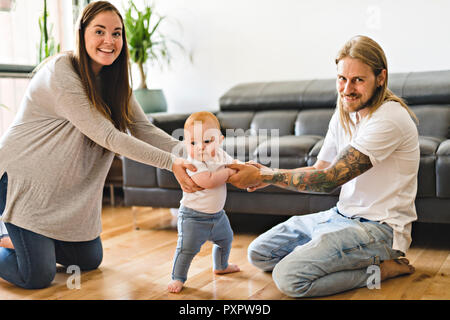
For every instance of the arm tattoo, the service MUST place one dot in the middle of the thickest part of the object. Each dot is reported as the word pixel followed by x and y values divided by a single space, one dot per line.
pixel 349 164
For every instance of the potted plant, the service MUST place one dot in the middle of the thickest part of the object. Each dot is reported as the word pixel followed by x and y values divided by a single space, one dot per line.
pixel 6 5
pixel 47 46
pixel 147 44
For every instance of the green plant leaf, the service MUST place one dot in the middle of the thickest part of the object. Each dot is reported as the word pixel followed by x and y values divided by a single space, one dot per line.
pixel 145 41
pixel 47 45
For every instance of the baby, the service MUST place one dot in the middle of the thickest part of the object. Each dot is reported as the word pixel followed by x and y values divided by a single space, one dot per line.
pixel 201 216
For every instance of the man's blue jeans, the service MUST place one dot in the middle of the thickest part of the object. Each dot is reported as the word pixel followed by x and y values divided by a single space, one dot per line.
pixel 32 262
pixel 322 253
pixel 194 229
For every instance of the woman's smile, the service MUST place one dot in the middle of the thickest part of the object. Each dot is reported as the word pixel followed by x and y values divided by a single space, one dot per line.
pixel 103 40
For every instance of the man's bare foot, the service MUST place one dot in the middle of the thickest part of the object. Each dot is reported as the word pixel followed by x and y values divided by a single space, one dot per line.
pixel 6 242
pixel 175 286
pixel 395 267
pixel 230 269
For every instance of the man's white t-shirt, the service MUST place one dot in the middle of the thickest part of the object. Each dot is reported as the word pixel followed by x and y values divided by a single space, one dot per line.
pixel 208 200
pixel 387 191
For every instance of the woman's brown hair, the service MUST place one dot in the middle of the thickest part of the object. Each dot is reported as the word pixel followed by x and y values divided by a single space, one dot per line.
pixel 113 101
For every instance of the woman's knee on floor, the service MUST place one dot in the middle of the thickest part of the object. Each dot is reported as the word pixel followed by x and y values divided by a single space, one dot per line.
pixel 40 277
pixel 89 260
pixel 92 262
pixel 85 255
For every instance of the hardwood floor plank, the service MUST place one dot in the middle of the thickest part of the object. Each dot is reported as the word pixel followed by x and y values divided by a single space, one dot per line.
pixel 137 264
pixel 413 286
pixel 439 288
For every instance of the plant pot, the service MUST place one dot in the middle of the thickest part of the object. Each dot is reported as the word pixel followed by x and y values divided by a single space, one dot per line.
pixel 151 100
pixel 6 5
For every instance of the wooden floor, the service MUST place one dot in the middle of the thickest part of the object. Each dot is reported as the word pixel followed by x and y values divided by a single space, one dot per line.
pixel 137 265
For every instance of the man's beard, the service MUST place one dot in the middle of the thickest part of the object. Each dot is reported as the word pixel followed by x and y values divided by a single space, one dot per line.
pixel 369 102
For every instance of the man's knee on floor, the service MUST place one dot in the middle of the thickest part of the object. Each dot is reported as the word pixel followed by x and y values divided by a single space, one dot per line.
pixel 291 282
pixel 256 258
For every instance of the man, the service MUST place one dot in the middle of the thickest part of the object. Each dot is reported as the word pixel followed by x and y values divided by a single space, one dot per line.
pixel 371 150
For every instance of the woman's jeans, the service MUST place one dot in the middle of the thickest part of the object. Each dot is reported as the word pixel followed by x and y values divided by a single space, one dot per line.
pixel 32 262
pixel 323 253
pixel 194 229
pixel 3 189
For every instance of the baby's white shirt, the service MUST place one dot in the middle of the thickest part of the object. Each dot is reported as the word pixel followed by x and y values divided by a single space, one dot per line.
pixel 208 200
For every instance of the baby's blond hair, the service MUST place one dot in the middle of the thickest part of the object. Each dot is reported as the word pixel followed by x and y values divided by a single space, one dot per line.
pixel 202 116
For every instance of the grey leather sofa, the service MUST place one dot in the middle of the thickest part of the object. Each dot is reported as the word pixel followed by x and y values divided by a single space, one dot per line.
pixel 252 114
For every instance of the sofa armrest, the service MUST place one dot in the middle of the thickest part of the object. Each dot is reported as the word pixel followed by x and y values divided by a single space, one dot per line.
pixel 136 174
pixel 444 148
pixel 171 123
pixel 443 170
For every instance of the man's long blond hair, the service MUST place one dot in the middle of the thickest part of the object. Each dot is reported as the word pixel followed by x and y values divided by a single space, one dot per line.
pixel 369 52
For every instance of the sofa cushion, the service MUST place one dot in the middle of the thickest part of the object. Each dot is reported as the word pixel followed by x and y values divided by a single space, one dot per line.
pixel 137 174
pixel 426 175
pixel 171 123
pixel 313 122
pixel 433 120
pixel 260 96
pixel 282 121
pixel 264 96
pixel 320 93
pixel 285 152
pixel 429 145
pixel 230 121
pixel 166 179
pixel 242 147
pixel 429 87
pixel 396 82
pixel 314 152
pixel 443 170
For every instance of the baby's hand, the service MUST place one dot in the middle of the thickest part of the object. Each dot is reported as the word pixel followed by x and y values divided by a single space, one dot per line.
pixel 231 172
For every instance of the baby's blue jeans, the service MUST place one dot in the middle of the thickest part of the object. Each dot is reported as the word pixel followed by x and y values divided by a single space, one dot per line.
pixel 194 229
pixel 322 253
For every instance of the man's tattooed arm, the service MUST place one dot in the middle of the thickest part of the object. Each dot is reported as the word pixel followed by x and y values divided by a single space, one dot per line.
pixel 349 164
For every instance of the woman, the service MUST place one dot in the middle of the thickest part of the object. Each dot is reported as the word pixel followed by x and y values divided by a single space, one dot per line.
pixel 55 157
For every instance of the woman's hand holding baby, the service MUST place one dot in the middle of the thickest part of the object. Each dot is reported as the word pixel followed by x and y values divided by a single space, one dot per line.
pixel 179 167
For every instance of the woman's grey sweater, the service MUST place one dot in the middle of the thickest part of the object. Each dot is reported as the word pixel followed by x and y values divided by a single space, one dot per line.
pixel 55 176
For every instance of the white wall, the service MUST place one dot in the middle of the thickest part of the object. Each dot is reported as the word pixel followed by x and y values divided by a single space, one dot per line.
pixel 19 33
pixel 233 41
pixel 20 36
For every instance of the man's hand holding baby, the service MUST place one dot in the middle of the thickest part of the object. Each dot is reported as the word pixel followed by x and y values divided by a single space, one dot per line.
pixel 247 175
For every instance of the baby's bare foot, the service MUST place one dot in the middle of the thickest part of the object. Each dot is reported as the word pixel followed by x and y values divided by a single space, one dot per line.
pixel 230 269
pixel 395 267
pixel 175 286
pixel 6 242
